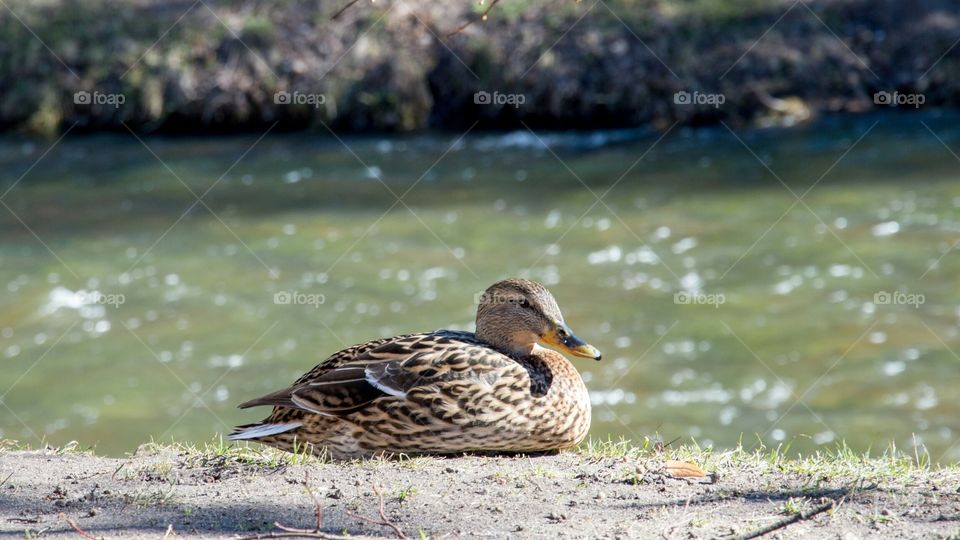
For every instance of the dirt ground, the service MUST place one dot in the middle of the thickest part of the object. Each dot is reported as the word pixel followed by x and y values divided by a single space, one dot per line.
pixel 169 492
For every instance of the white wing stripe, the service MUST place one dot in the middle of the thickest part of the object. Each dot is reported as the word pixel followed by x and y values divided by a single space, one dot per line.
pixel 371 378
pixel 264 430
pixel 299 402
pixel 341 381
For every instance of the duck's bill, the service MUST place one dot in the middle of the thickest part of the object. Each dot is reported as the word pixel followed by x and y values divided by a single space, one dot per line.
pixel 565 340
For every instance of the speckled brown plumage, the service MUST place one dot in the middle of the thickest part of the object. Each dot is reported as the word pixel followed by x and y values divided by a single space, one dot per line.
pixel 440 392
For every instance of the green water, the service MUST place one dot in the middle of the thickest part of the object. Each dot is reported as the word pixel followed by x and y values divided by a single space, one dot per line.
pixel 196 329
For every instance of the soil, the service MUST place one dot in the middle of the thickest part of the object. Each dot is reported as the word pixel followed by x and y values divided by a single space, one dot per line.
pixel 176 493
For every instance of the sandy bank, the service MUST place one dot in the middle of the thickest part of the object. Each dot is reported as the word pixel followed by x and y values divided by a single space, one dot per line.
pixel 231 492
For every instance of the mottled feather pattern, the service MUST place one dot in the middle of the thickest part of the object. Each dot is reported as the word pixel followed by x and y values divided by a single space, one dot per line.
pixel 461 395
pixel 435 393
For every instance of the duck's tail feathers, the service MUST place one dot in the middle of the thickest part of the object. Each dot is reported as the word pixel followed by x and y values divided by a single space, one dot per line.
pixel 280 398
pixel 260 430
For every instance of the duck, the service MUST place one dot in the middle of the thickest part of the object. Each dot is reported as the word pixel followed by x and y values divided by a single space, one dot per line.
pixel 495 390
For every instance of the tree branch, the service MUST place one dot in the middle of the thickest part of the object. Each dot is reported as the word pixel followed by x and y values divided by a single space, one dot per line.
pixel 789 520
pixel 483 17
pixel 343 9
pixel 74 526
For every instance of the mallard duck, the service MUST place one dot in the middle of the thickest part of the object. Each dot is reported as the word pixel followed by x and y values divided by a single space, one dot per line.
pixel 442 392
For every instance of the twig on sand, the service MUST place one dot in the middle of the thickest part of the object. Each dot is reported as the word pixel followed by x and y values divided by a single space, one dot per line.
pixel 383 516
pixel 316 501
pixel 294 532
pixel 483 17
pixel 826 504
pixel 74 526
pixel 318 509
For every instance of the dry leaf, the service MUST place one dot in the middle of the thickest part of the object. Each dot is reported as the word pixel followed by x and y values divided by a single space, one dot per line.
pixel 682 469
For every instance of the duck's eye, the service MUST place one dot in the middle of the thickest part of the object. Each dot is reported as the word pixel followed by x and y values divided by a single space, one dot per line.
pixel 524 303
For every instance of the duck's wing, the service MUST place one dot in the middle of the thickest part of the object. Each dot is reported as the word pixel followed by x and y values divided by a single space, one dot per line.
pixel 339 358
pixel 392 367
pixel 283 397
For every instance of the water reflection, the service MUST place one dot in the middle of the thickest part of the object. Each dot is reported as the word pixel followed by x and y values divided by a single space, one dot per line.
pixel 726 306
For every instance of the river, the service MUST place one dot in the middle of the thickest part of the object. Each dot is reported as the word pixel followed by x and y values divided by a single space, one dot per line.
pixel 785 287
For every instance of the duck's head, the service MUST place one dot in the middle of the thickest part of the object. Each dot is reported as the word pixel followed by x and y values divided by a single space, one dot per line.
pixel 515 314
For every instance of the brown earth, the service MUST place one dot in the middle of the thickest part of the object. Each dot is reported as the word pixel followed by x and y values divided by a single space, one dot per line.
pixel 179 493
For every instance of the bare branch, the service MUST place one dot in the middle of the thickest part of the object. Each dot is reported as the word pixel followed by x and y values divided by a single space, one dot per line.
pixel 826 504
pixel 343 9
pixel 293 532
pixel 483 17
pixel 74 526
pixel 384 521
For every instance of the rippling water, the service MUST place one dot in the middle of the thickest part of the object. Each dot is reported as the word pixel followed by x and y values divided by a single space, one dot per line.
pixel 786 287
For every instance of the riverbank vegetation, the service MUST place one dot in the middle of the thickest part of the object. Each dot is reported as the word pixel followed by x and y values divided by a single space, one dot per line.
pixel 192 66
